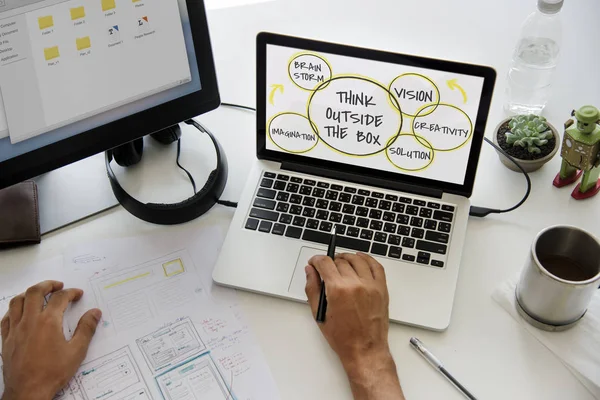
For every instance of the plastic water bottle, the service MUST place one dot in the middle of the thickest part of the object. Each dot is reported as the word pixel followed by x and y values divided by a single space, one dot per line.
pixel 534 60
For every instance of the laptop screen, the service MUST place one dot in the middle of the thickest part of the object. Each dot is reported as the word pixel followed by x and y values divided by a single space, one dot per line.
pixel 379 115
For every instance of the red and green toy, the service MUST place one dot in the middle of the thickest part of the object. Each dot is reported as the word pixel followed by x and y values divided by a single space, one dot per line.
pixel 581 153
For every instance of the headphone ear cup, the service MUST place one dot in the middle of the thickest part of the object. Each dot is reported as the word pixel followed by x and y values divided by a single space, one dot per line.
pixel 168 135
pixel 130 153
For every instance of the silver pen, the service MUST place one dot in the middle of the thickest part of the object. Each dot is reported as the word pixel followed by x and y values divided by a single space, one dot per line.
pixel 437 364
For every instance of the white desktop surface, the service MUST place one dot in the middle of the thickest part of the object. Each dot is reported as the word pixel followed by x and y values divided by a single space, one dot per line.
pixel 487 351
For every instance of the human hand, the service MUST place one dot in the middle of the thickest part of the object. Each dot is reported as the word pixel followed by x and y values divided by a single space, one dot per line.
pixel 357 320
pixel 38 360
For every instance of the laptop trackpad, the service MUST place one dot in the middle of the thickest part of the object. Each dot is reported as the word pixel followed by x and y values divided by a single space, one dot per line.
pixel 299 278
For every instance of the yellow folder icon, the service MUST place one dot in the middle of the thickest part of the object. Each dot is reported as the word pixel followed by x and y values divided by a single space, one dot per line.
pixel 135 1
pixel 83 43
pixel 51 53
pixel 77 13
pixel 46 22
pixel 108 5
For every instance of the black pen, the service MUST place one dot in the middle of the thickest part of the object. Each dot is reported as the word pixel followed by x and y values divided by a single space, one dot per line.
pixel 322 309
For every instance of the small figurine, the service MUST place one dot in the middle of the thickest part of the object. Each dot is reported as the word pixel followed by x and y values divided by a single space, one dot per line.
pixel 581 153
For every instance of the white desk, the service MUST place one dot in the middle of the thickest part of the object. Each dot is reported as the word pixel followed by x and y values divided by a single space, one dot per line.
pixel 484 347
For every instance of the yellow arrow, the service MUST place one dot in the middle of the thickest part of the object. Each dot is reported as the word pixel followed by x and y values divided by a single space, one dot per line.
pixel 452 84
pixel 272 95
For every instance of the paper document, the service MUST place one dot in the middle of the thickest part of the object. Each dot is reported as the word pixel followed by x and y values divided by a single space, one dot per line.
pixel 177 335
pixel 135 295
pixel 166 332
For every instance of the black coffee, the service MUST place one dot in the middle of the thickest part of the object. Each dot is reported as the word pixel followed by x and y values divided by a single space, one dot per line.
pixel 566 268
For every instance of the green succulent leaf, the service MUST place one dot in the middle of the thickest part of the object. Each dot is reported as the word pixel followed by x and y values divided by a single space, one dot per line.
pixel 528 131
pixel 546 135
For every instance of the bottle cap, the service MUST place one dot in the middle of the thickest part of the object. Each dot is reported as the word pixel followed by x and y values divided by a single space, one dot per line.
pixel 550 6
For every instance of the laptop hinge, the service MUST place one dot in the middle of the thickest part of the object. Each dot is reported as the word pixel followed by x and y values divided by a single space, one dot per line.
pixel 362 179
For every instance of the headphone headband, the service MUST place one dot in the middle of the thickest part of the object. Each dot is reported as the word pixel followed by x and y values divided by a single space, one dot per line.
pixel 177 213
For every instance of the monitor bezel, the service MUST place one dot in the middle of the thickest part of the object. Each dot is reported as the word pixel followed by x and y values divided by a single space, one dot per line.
pixel 487 73
pixel 135 126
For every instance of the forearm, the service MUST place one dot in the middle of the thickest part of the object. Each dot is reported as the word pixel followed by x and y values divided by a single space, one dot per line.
pixel 375 380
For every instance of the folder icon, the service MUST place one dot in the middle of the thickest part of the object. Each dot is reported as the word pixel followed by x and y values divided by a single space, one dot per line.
pixel 83 43
pixel 77 13
pixel 108 5
pixel 51 53
pixel 135 1
pixel 46 22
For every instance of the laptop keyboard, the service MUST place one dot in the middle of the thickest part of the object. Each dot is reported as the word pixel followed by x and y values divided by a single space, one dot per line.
pixel 387 225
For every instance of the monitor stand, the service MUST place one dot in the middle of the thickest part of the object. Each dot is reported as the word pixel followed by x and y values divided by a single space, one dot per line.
pixel 74 192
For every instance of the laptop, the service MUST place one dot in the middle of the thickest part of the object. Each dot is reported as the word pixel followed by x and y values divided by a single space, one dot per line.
pixel 382 146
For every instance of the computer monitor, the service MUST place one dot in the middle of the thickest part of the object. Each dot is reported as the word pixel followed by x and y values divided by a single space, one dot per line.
pixel 78 77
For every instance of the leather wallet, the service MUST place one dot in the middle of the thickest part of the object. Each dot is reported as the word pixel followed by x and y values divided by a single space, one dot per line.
pixel 19 215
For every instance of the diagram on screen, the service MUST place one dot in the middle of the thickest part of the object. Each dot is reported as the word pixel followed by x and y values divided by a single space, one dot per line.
pixel 398 117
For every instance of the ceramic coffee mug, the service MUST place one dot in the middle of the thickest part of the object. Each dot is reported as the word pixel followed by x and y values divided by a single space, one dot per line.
pixel 560 278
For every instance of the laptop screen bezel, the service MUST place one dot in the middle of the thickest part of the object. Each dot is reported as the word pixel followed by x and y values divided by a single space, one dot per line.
pixel 487 73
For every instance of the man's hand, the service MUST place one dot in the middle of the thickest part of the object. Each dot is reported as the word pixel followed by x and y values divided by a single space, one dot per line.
pixel 38 360
pixel 356 323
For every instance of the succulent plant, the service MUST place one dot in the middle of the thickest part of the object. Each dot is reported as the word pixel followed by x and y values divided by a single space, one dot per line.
pixel 528 131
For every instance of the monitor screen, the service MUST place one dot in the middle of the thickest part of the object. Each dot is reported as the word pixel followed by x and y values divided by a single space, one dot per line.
pixel 379 115
pixel 69 67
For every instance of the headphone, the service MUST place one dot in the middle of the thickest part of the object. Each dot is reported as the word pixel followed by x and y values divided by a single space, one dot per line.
pixel 131 153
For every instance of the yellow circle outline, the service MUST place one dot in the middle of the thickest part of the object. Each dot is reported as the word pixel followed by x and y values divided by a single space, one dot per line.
pixel 306 53
pixel 286 150
pixel 361 77
pixel 437 90
pixel 407 169
pixel 412 126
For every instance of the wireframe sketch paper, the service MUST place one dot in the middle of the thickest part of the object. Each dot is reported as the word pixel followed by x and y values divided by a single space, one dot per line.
pixel 169 362
pixel 166 332
pixel 137 294
pixel 203 246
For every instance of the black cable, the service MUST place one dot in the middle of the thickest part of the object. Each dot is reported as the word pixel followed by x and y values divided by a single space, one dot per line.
pixel 483 211
pixel 232 105
pixel 227 203
pixel 184 170
pixel 475 211
pixel 241 107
